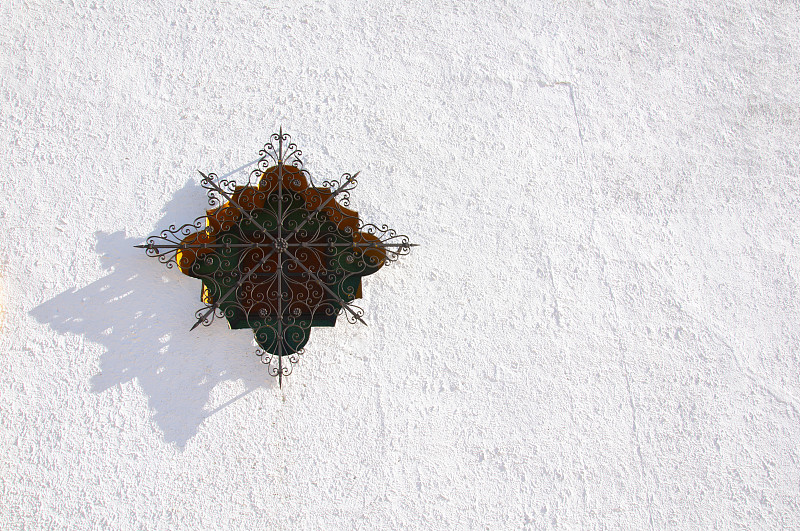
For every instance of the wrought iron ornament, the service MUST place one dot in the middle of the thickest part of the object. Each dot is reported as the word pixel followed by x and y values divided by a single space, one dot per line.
pixel 278 254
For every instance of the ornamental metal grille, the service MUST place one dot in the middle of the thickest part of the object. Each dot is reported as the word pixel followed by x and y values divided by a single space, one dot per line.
pixel 278 253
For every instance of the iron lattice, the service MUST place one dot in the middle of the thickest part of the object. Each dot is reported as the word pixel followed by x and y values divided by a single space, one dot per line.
pixel 278 254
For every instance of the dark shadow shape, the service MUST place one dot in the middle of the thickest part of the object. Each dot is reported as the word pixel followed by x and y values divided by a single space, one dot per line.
pixel 141 313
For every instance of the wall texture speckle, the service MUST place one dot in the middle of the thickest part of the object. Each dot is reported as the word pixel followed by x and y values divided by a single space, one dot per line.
pixel 601 327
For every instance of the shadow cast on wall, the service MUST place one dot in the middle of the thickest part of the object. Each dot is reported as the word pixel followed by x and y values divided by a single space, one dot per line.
pixel 141 313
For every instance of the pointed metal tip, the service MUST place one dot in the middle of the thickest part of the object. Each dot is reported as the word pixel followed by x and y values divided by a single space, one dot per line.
pixel 142 246
pixel 280 380
pixel 413 245
pixel 362 321
pixel 199 321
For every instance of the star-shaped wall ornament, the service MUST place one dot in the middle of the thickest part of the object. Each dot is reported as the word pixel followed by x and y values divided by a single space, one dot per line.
pixel 278 254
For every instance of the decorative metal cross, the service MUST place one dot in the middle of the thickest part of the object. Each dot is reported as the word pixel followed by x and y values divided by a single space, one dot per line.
pixel 278 254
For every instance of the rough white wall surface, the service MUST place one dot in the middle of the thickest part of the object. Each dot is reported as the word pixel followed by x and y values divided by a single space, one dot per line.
pixel 601 328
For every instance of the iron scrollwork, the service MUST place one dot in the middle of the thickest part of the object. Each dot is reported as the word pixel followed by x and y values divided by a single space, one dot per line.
pixel 278 254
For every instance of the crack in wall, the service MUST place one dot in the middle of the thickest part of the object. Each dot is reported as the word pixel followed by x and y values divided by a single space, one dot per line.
pixel 556 313
pixel 626 374
pixel 571 89
pixel 779 395
pixel 622 349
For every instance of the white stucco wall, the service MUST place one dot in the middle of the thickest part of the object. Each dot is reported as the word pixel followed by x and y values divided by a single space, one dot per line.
pixel 601 327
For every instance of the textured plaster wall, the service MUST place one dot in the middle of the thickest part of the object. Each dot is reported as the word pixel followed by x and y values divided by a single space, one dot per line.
pixel 601 328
